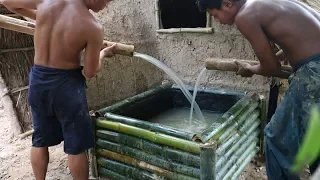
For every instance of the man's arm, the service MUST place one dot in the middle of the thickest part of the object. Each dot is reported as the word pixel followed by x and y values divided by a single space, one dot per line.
pixel 251 29
pixel 22 7
pixel 93 54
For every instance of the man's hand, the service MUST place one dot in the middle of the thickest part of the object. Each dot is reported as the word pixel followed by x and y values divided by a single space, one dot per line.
pixel 281 56
pixel 109 51
pixel 244 69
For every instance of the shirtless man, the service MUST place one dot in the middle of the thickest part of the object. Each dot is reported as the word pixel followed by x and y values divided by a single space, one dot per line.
pixel 57 86
pixel 295 27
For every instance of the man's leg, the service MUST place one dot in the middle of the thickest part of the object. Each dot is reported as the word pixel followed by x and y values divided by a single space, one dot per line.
pixel 72 111
pixel 79 166
pixel 39 162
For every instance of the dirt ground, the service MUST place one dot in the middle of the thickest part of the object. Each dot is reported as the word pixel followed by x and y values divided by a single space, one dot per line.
pixel 15 161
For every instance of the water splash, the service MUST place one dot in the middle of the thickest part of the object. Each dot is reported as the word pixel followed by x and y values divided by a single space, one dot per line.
pixel 174 77
pixel 195 94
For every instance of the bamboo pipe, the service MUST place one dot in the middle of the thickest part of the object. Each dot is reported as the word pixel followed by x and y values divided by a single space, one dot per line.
pixel 26 27
pixel 229 64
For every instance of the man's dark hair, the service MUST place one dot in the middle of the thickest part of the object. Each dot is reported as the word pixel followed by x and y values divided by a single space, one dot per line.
pixel 203 5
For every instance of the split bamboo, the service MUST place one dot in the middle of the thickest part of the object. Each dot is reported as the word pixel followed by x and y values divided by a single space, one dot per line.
pixel 127 170
pixel 143 165
pixel 229 65
pixel 26 27
pixel 208 161
pixel 112 175
pixel 149 126
pixel 216 129
pixel 151 148
pixel 133 99
pixel 163 139
pixel 148 158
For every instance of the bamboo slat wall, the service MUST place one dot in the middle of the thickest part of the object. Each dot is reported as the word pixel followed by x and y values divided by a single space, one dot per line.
pixel 16 59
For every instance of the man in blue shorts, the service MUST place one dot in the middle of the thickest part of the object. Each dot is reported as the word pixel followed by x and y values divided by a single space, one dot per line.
pixel 295 27
pixel 57 86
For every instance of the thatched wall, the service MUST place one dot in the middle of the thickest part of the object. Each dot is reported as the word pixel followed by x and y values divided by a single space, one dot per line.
pixel 16 59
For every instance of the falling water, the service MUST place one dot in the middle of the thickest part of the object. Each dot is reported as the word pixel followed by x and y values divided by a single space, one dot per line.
pixel 174 77
pixel 195 93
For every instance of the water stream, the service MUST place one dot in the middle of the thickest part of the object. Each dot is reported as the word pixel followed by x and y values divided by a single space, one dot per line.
pixel 195 94
pixel 174 77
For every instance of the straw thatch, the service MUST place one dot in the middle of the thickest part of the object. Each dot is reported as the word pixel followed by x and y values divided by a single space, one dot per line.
pixel 16 59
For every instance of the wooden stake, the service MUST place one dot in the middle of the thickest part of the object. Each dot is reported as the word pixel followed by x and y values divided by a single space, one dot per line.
pixel 28 28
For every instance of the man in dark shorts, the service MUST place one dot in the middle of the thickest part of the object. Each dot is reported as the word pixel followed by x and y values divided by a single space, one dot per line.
pixel 295 27
pixel 57 86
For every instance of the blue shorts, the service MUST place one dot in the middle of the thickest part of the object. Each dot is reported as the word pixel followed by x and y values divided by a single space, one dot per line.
pixel 59 109
pixel 287 127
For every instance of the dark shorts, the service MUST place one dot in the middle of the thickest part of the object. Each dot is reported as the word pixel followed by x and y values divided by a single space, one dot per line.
pixel 287 128
pixel 59 109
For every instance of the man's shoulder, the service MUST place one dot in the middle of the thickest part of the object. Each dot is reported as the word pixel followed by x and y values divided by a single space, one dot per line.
pixel 91 27
pixel 252 11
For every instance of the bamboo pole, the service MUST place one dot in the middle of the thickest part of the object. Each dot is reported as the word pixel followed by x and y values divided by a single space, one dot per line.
pixel 26 27
pixel 150 126
pixel 222 149
pixel 112 175
pixel 217 127
pixel 240 155
pixel 185 30
pixel 94 166
pixel 148 158
pixel 263 117
pixel 126 170
pixel 122 49
pixel 133 99
pixel 143 165
pixel 163 139
pixel 26 134
pixel 151 148
pixel 240 166
pixel 229 65
pixel 157 14
pixel 16 49
pixel 245 141
pixel 244 115
pixel 208 161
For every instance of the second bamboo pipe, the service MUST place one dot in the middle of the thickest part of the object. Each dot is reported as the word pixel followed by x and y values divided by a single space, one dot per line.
pixel 230 65
pixel 26 27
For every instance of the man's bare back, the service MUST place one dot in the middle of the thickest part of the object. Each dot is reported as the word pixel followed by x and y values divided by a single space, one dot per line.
pixel 62 31
pixel 291 24
pixel 56 93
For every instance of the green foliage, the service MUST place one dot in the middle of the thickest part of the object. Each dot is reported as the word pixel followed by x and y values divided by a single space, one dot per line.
pixel 310 149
